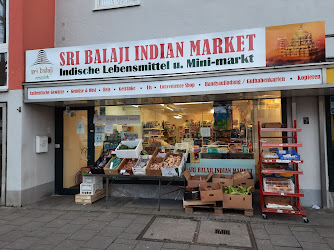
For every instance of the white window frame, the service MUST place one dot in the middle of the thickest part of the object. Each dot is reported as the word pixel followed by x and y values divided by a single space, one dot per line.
pixel 4 47
pixel 115 6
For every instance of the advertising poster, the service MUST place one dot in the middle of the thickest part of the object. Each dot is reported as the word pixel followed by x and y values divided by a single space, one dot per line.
pixel 295 44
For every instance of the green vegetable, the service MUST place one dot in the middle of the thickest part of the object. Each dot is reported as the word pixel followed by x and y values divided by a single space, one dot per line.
pixel 144 152
pixel 125 147
pixel 240 190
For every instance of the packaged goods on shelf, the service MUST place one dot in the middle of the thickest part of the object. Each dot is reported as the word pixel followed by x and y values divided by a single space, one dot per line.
pixel 140 168
pixel 211 192
pixel 272 125
pixel 288 155
pixel 129 149
pixel 278 202
pixel 194 181
pixel 278 185
pixel 276 167
pixel 267 155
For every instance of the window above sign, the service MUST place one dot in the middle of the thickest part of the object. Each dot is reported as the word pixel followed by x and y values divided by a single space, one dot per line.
pixel 113 4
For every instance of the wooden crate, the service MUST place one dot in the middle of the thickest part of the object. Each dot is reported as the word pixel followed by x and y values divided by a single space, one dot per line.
pixel 90 199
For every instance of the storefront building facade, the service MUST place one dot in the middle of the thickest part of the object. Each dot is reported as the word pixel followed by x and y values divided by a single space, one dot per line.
pixel 178 79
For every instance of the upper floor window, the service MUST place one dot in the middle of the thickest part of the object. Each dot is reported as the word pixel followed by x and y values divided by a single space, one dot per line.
pixel 111 4
pixel 3 21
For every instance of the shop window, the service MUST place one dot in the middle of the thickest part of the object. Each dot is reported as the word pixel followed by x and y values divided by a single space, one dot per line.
pixel 112 4
pixel 3 44
pixel 3 69
pixel 3 22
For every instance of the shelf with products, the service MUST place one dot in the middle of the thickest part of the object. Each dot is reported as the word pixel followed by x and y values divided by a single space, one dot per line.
pixel 282 164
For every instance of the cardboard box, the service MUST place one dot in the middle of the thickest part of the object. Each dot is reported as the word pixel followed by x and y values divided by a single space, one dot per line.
pixel 109 171
pixel 223 179
pixel 237 201
pixel 244 183
pixel 151 150
pixel 242 175
pixel 177 171
pixel 191 194
pixel 151 172
pixel 121 166
pixel 196 180
pixel 211 192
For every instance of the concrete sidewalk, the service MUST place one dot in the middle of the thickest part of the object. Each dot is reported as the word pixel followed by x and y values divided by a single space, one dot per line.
pixel 58 223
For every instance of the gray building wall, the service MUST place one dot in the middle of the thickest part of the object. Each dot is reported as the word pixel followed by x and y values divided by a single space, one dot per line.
pixel 78 24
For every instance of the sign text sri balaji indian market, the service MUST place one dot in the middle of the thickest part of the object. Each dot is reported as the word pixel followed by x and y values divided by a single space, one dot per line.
pixel 204 52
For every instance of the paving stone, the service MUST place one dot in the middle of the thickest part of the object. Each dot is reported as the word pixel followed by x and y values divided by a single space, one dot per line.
pixel 162 211
pixel 325 232
pixel 4 243
pixel 264 244
pixel 20 221
pixel 70 245
pixel 312 246
pixel 7 228
pixel 199 247
pixel 115 246
pixel 260 233
pixel 135 228
pixel 111 231
pixel 143 219
pixel 144 245
pixel 120 223
pixel 277 229
pixel 83 220
pixel 71 215
pixel 41 232
pixel 23 243
pixel 176 246
pixel 126 241
pixel 143 211
pixel 69 228
pixel 12 236
pixel 286 248
pixel 330 242
pixel 308 237
pixel 57 223
pixel 178 212
pixel 31 226
pixel 127 216
pixel 107 217
pixel 83 235
pixel 302 229
pixel 46 218
pixel 284 240
pixel 96 225
pixel 40 247
pixel 128 236
pixel 55 238
pixel 99 242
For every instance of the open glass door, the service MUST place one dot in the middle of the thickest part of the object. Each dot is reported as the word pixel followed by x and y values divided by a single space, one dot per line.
pixel 3 141
pixel 76 148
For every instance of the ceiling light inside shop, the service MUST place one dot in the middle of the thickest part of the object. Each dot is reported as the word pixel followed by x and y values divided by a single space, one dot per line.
pixel 136 106
pixel 212 111
pixel 177 116
pixel 162 105
pixel 186 103
pixel 170 108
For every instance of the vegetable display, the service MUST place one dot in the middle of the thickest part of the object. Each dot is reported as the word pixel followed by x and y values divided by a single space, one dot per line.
pixel 172 161
pixel 115 162
pixel 237 190
pixel 125 147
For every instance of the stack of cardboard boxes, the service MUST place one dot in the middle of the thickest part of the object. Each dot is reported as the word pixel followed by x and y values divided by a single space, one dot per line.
pixel 209 189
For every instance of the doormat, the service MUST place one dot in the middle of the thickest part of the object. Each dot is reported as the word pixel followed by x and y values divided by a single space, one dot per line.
pixel 206 233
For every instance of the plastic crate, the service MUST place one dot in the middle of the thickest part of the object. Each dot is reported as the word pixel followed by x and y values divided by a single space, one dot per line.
pixel 288 155
pixel 87 189
pixel 184 147
pixel 278 186
pixel 92 179
pixel 130 153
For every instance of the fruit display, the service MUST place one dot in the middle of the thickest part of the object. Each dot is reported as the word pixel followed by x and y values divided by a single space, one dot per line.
pixel 172 161
pixel 237 190
pixel 278 185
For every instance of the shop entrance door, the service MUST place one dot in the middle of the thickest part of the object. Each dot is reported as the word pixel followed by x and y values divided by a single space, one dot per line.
pixel 3 133
pixel 75 147
pixel 330 140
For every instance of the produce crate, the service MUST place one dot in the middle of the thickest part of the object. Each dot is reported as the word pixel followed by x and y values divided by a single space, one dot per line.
pixel 137 170
pixel 288 155
pixel 151 150
pixel 152 172
pixel 97 180
pixel 122 165
pixel 177 171
pixel 90 199
pixel 184 147
pixel 278 185
pixel 237 201
pixel 112 171
pixel 129 153
pixel 162 152
pixel 87 189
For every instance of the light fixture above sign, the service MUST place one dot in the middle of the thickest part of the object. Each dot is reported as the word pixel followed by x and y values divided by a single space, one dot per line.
pixel 112 4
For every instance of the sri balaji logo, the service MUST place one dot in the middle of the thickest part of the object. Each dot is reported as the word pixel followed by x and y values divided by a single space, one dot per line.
pixel 41 58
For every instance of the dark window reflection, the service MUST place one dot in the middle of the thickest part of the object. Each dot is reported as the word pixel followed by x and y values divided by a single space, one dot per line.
pixel 3 69
pixel 2 21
